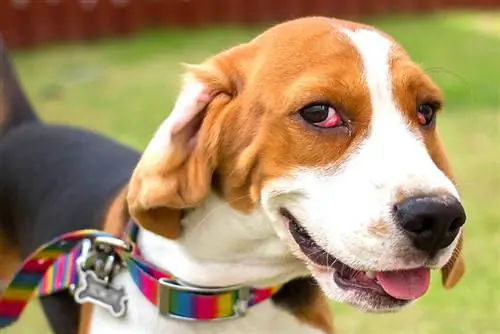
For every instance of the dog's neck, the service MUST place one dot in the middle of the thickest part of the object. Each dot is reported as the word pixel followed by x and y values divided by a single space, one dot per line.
pixel 222 247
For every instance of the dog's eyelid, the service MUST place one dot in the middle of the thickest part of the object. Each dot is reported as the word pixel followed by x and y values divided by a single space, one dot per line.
pixel 436 105
pixel 434 99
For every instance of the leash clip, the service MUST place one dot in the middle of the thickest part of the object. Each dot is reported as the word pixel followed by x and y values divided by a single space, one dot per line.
pixel 101 257
pixel 97 265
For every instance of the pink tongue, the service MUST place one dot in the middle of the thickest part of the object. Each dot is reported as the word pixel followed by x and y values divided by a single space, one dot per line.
pixel 405 284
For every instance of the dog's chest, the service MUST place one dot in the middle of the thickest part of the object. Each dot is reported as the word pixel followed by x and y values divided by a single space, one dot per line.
pixel 143 317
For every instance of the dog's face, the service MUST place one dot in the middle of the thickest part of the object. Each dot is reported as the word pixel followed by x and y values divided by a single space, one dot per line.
pixel 330 129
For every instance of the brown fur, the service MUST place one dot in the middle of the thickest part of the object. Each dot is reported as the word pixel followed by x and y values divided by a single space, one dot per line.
pixel 379 228
pixel 259 96
pixel 245 87
pixel 117 215
pixel 454 270
pixel 305 300
pixel 9 253
pixel 85 318
pixel 9 257
pixel 237 165
pixel 317 313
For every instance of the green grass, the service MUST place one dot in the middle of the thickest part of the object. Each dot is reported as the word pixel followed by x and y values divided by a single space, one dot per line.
pixel 126 87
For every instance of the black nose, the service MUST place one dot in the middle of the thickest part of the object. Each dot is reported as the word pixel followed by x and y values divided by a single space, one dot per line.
pixel 431 222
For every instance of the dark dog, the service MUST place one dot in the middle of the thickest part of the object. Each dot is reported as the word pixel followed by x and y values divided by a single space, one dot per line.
pixel 53 179
pixel 57 179
pixel 310 152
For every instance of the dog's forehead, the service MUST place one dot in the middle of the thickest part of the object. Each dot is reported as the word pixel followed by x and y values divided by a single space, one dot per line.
pixel 357 68
pixel 322 49
pixel 308 35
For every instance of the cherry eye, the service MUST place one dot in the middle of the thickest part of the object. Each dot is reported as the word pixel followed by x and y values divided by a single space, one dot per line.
pixel 321 115
pixel 425 113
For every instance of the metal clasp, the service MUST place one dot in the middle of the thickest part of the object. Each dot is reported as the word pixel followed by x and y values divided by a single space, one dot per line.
pixel 99 255
pixel 167 285
pixel 97 265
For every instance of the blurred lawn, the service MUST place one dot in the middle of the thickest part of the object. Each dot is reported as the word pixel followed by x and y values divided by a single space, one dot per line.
pixel 126 87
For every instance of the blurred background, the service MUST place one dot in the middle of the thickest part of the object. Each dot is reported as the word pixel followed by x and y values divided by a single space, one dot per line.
pixel 113 66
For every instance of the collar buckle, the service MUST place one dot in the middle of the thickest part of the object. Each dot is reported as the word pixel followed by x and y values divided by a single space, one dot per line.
pixel 167 285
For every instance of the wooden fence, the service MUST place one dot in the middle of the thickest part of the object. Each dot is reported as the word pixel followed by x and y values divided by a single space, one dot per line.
pixel 26 23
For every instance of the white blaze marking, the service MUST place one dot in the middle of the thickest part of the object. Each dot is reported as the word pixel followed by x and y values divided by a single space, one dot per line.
pixel 337 205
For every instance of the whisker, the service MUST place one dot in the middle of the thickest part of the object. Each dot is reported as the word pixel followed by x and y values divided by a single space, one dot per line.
pixel 328 267
pixel 317 252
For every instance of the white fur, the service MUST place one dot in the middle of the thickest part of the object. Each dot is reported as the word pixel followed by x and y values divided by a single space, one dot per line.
pixel 143 318
pixel 220 247
pixel 337 205
pixel 189 102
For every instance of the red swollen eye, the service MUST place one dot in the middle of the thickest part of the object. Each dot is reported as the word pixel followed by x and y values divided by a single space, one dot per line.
pixel 425 113
pixel 321 115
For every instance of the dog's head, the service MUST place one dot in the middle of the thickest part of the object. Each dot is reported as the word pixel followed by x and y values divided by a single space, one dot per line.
pixel 329 128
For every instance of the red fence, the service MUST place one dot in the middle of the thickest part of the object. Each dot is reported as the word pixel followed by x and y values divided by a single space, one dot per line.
pixel 25 23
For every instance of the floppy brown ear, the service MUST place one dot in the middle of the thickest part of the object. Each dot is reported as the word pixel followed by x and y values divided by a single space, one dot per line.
pixel 175 171
pixel 454 270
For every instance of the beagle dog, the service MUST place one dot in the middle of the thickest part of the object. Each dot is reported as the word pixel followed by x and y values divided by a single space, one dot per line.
pixel 306 158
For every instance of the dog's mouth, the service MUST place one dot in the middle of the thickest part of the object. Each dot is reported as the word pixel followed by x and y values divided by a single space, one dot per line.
pixel 397 287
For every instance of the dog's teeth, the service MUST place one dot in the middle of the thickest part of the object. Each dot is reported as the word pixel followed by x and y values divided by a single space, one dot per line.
pixel 370 274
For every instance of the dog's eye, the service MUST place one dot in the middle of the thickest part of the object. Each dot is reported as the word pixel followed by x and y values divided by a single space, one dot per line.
pixel 321 115
pixel 426 113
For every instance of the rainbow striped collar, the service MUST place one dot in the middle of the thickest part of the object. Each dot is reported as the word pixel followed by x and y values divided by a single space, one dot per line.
pixel 53 267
